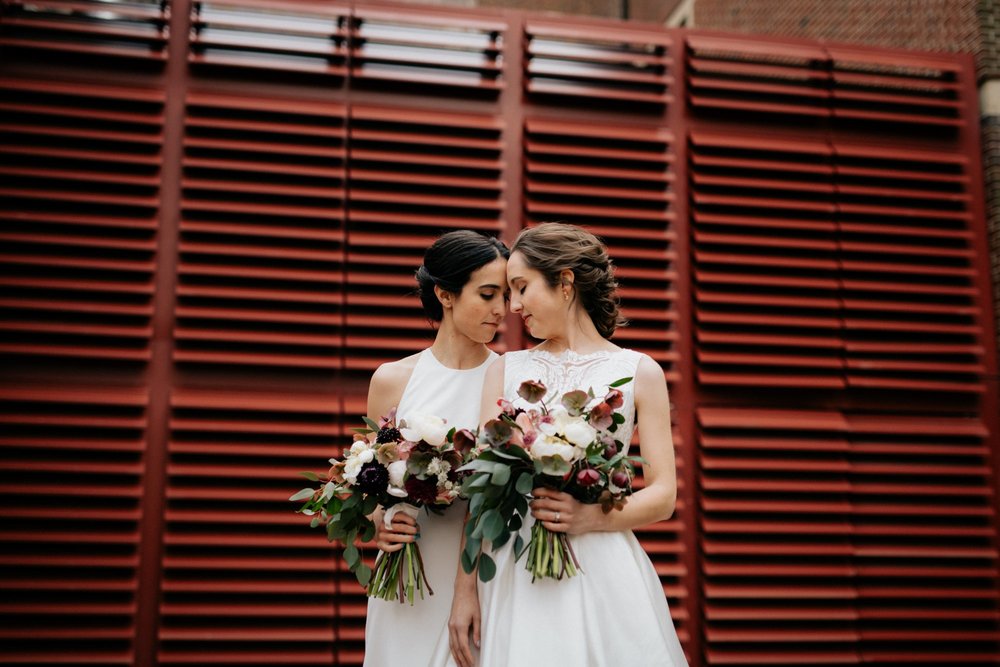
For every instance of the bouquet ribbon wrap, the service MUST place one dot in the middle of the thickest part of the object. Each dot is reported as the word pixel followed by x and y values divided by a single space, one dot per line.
pixel 406 508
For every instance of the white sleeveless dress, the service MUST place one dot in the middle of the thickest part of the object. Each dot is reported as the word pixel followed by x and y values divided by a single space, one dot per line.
pixel 614 612
pixel 397 634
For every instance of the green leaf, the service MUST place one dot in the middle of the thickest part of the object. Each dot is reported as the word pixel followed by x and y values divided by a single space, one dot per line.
pixel 525 483
pixel 351 555
pixel 303 494
pixel 311 476
pixel 487 568
pixel 315 521
pixel 468 562
pixel 501 539
pixel 476 503
pixel 500 476
pixel 514 524
pixel 368 532
pixel 369 505
pixel 479 481
pixel 518 547
pixel 493 524
pixel 371 424
pixel 351 501
pixel 618 383
pixel 618 418
pixel 363 573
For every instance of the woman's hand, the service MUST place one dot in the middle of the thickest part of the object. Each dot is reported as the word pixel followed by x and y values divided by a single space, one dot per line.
pixel 465 618
pixel 405 529
pixel 562 513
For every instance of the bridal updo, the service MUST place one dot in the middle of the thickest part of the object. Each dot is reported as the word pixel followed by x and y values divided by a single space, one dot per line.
pixel 449 263
pixel 553 247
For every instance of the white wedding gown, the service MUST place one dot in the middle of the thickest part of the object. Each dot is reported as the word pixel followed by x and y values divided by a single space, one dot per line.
pixel 398 635
pixel 614 612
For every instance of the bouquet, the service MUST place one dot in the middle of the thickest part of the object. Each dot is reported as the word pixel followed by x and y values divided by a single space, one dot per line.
pixel 568 446
pixel 401 469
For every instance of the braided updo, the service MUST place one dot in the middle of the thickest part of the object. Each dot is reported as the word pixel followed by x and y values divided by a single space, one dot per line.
pixel 449 263
pixel 553 247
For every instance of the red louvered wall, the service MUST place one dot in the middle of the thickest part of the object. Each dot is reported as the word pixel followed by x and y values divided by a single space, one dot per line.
pixel 209 218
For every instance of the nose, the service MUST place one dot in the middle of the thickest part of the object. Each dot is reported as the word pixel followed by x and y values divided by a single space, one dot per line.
pixel 515 304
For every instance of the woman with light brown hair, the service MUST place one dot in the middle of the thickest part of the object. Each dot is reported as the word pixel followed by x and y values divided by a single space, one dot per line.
pixel 614 612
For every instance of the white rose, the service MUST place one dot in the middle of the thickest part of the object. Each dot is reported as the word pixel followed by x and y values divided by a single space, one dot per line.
pixel 351 469
pixel 366 456
pixel 397 473
pixel 580 433
pixel 432 430
pixel 358 447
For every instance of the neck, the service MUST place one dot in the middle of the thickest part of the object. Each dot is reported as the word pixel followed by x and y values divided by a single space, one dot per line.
pixel 580 335
pixel 456 350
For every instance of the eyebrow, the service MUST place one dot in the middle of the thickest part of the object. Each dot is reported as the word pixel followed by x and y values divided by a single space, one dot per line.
pixel 490 286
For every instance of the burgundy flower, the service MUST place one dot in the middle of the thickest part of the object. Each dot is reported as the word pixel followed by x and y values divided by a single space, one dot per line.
pixel 464 440
pixel 610 450
pixel 373 478
pixel 614 399
pixel 588 477
pixel 421 490
pixel 532 391
pixel 600 416
pixel 621 479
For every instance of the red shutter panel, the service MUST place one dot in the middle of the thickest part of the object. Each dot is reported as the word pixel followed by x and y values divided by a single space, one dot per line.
pixel 230 36
pixel 66 31
pixel 776 535
pixel 925 548
pixel 80 173
pixel 261 236
pixel 414 174
pixel 71 481
pixel 245 580
pixel 731 76
pixel 911 313
pixel 766 305
pixel 883 88
pixel 398 50
pixel 603 65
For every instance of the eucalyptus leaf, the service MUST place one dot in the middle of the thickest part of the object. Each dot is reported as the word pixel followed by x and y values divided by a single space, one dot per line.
pixel 303 494
pixel 525 483
pixel 311 476
pixel 493 524
pixel 500 476
pixel 487 568
pixel 618 383
pixel 363 574
pixel 351 555
pixel 371 424
pixel 468 562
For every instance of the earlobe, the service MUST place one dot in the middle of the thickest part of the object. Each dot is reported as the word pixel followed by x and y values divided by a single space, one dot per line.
pixel 443 296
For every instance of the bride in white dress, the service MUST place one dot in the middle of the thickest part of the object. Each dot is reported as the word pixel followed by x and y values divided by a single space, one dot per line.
pixel 614 612
pixel 462 287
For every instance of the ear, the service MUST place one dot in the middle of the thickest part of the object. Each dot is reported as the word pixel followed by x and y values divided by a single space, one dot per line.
pixel 445 297
pixel 566 278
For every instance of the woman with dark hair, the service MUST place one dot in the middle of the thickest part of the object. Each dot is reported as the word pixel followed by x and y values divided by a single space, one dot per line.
pixel 462 285
pixel 613 612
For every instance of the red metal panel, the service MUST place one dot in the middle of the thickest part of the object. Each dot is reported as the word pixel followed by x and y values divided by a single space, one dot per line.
pixel 243 578
pixel 71 473
pixel 261 251
pixel 413 174
pixel 80 170
pixel 289 37
pixel 598 64
pixel 822 311
pixel 67 30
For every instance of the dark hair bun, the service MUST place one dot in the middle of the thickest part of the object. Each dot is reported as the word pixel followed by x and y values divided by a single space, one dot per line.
pixel 449 262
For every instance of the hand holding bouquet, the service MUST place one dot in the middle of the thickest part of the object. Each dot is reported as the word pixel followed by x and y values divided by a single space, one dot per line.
pixel 399 468
pixel 569 446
